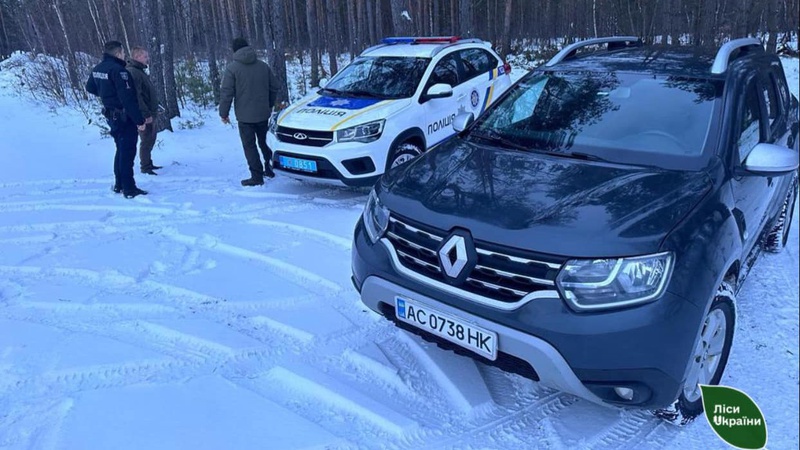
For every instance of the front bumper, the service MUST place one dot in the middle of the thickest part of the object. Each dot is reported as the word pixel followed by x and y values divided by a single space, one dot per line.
pixel 646 348
pixel 345 164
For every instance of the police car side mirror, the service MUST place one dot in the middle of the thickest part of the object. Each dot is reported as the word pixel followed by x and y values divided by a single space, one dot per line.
pixel 323 82
pixel 440 90
pixel 770 160
pixel 462 121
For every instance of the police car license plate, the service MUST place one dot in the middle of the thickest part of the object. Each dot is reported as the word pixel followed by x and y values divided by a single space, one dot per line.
pixel 298 164
pixel 479 340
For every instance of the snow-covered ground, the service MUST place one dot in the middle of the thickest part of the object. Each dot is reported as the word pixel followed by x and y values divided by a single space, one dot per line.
pixel 210 316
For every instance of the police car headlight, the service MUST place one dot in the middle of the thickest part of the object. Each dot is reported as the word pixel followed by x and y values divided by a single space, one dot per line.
pixel 376 217
pixel 610 283
pixel 273 122
pixel 367 132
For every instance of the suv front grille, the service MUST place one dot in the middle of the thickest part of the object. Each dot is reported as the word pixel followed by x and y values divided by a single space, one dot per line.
pixel 313 138
pixel 500 274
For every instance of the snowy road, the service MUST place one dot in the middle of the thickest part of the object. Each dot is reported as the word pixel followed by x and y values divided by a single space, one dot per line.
pixel 210 316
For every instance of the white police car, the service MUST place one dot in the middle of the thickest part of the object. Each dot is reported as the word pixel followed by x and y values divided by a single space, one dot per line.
pixel 389 105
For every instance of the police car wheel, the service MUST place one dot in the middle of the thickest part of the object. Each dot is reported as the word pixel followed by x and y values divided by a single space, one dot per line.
pixel 402 154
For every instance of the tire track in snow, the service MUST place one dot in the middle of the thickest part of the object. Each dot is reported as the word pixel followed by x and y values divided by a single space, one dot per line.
pixel 91 208
pixel 41 425
pixel 287 271
pixel 628 431
pixel 333 240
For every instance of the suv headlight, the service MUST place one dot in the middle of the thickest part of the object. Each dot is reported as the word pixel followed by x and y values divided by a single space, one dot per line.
pixel 611 283
pixel 367 132
pixel 376 217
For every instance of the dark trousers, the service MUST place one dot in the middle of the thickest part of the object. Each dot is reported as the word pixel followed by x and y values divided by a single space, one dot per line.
pixel 147 139
pixel 250 133
pixel 125 135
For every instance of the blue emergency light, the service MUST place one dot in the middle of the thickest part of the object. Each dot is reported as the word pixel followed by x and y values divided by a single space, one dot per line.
pixel 421 40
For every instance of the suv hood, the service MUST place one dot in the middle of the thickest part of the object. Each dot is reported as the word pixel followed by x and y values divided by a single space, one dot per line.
pixel 541 203
pixel 324 113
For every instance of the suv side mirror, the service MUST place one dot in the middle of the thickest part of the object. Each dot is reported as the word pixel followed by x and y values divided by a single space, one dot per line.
pixel 770 160
pixel 462 121
pixel 440 90
pixel 323 82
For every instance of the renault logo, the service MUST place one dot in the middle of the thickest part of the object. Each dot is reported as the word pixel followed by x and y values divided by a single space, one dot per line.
pixel 300 136
pixel 453 256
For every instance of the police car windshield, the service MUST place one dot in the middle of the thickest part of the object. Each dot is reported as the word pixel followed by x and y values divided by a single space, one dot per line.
pixel 623 117
pixel 381 77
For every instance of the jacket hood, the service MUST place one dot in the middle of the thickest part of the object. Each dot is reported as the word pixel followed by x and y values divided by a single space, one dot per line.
pixel 245 55
pixel 137 64
pixel 541 203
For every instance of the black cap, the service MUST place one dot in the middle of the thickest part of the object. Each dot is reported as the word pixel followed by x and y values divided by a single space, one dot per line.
pixel 239 43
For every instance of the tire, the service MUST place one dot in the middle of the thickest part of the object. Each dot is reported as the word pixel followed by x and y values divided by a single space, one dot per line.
pixel 709 358
pixel 776 239
pixel 401 154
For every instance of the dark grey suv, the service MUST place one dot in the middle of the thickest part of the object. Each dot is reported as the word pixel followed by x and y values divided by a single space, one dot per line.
pixel 592 228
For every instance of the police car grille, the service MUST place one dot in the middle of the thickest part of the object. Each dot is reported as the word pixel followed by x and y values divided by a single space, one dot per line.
pixel 500 274
pixel 313 138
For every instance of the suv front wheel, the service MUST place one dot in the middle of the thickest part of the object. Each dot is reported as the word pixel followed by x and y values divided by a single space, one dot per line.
pixel 402 153
pixel 709 358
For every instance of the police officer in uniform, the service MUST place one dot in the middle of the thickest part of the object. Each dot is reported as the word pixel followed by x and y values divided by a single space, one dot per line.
pixel 113 84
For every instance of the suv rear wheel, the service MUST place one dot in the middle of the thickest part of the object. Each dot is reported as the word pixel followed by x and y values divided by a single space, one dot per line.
pixel 402 153
pixel 709 358
pixel 776 239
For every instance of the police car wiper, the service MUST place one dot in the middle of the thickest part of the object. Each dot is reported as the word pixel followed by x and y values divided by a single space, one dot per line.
pixel 495 138
pixel 333 91
pixel 362 94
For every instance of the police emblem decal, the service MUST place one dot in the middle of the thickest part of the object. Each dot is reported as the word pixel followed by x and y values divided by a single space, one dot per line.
pixel 474 98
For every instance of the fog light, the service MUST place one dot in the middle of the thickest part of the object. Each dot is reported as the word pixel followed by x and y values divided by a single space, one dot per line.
pixel 624 393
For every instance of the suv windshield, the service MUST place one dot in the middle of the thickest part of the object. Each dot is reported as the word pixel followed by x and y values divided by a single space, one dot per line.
pixel 383 77
pixel 623 117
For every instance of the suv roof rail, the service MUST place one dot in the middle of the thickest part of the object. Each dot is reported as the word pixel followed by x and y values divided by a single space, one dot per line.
pixel 569 51
pixel 725 52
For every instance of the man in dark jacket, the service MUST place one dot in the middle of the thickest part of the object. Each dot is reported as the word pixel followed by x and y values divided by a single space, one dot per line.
pixel 148 104
pixel 112 83
pixel 251 86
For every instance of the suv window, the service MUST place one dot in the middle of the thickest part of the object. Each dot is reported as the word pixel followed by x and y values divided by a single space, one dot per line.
pixel 750 130
pixel 778 96
pixel 771 99
pixel 446 71
pixel 610 115
pixel 476 62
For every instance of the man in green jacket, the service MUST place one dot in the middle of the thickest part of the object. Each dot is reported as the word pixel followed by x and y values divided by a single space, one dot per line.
pixel 251 86
pixel 148 104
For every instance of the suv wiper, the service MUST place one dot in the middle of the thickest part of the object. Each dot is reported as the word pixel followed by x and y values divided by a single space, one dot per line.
pixel 591 157
pixel 583 156
pixel 495 138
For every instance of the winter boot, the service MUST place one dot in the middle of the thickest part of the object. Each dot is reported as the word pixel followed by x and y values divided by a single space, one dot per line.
pixel 253 181
pixel 134 192
pixel 268 172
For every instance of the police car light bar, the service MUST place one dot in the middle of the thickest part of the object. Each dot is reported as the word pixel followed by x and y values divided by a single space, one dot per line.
pixel 421 40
